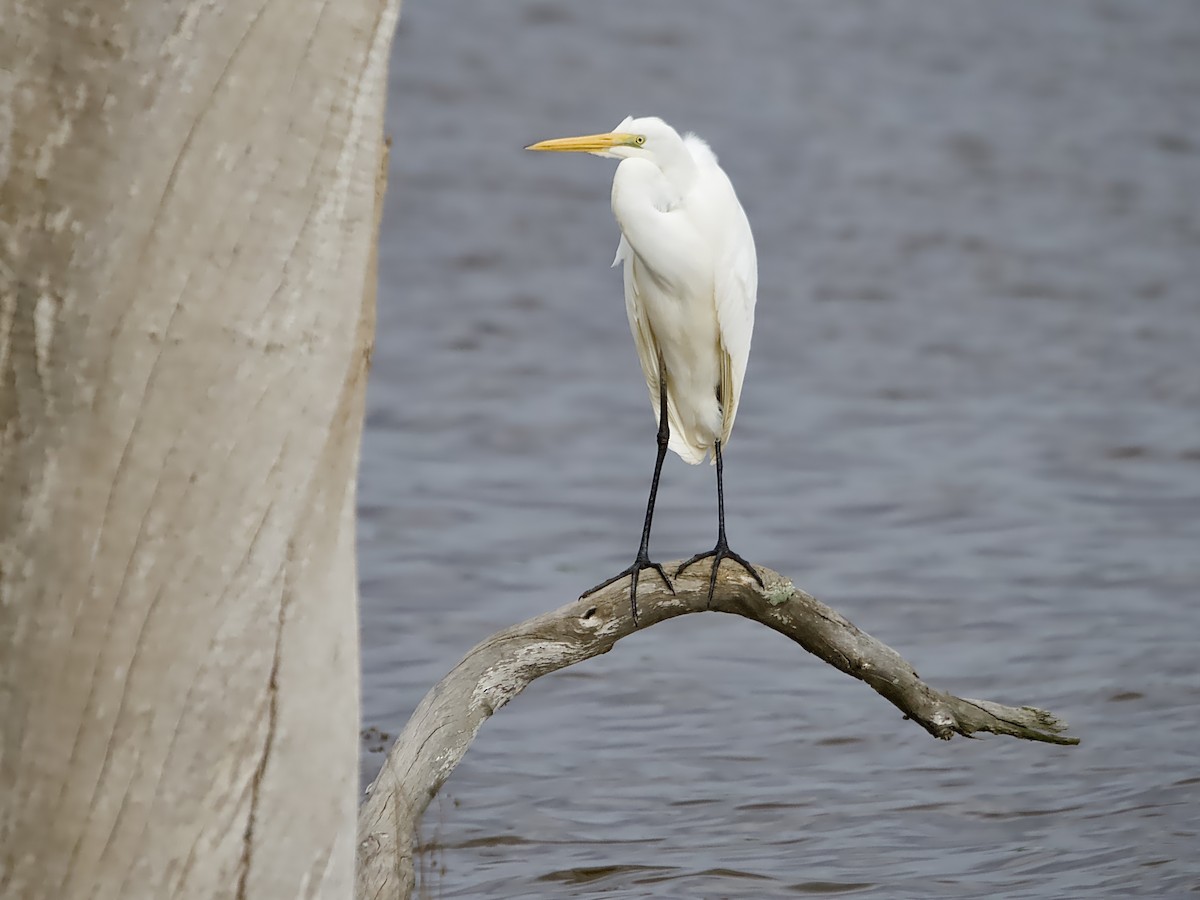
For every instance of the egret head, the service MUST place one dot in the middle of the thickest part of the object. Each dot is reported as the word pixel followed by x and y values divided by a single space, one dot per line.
pixel 632 137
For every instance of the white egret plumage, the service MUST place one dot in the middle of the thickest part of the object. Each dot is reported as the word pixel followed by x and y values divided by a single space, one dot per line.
pixel 691 279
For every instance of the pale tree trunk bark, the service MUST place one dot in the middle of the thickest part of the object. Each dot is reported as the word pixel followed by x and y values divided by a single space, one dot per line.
pixel 188 202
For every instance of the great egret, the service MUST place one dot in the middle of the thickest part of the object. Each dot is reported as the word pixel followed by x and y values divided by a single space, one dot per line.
pixel 691 278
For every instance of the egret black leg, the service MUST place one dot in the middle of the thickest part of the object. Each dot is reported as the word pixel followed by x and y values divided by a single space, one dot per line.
pixel 642 560
pixel 721 551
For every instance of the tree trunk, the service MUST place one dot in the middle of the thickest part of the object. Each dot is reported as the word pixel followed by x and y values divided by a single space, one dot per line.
pixel 188 203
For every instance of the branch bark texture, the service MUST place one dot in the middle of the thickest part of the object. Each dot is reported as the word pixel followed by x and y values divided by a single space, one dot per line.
pixel 447 720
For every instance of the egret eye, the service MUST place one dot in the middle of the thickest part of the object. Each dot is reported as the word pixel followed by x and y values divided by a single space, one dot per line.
pixel 641 139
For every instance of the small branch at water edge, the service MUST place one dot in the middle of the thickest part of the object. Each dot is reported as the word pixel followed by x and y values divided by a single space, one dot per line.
pixel 500 667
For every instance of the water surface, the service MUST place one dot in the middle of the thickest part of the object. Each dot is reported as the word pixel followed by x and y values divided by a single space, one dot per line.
pixel 971 422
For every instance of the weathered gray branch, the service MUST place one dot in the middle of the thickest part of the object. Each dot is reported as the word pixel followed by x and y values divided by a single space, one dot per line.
pixel 500 667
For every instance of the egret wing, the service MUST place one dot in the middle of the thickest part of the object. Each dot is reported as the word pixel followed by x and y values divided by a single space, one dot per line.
pixel 736 291
pixel 643 333
pixel 639 325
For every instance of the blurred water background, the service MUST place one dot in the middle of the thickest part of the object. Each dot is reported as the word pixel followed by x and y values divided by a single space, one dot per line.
pixel 971 422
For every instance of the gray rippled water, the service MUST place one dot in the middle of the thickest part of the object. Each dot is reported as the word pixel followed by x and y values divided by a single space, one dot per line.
pixel 971 422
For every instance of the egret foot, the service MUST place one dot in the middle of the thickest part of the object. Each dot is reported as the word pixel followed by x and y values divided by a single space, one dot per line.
pixel 642 562
pixel 718 553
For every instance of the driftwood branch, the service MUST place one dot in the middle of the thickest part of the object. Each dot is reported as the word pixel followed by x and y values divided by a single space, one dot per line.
pixel 500 667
